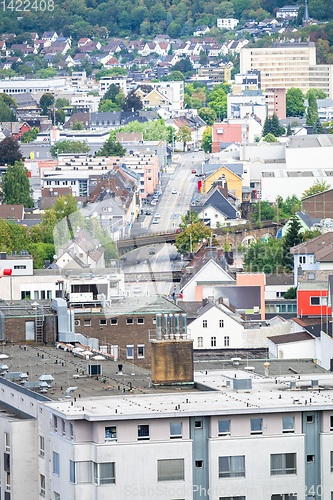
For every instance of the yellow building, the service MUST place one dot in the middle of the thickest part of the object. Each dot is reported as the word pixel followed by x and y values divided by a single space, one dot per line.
pixel 233 181
pixel 220 74
pixel 153 99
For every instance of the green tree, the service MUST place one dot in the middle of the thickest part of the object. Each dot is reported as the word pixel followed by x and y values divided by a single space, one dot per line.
pixel 61 102
pixel 203 58
pixel 132 102
pixel 276 128
pixel 6 113
pixel 265 212
pixel 111 93
pixel 217 100
pixel 77 125
pixel 184 135
pixel 45 102
pixel 69 147
pixel 295 102
pixel 291 239
pixel 290 293
pixel 30 135
pixel 8 100
pixel 317 187
pixel 208 115
pixel 206 141
pixel 16 187
pixel 187 240
pixel 6 242
pixel 320 94
pixel 317 127
pixel 191 217
pixel 111 148
pixel 267 257
pixel 9 151
pixel 312 110
pixel 270 138
pixel 176 76
pixel 289 131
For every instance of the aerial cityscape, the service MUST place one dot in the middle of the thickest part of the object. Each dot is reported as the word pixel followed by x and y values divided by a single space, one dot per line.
pixel 166 250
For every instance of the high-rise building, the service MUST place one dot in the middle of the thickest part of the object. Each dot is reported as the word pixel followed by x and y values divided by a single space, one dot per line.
pixel 288 65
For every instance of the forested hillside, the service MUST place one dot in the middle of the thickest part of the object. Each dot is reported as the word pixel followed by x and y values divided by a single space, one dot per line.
pixel 131 18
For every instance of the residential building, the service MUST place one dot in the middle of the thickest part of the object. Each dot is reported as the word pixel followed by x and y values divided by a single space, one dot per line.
pixel 224 134
pixel 319 205
pixel 287 12
pixel 227 23
pixel 288 65
pixel 216 210
pixel 179 443
pixel 106 81
pixel 217 74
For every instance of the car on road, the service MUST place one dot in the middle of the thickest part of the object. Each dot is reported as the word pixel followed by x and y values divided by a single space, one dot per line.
pixel 174 191
pixel 148 212
pixel 157 215
pixel 123 257
pixel 178 230
pixel 151 251
pixel 153 202
pixel 194 171
pixel 156 221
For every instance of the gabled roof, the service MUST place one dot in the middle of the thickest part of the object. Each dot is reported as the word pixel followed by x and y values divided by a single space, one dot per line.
pixel 321 247
pixel 217 201
pixel 12 212
pixel 201 268
pixel 291 337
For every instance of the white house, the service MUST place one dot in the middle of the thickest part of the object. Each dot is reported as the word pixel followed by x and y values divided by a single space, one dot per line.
pixel 227 23
pixel 210 271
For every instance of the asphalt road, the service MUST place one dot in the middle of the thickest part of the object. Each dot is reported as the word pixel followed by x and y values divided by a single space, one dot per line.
pixel 170 206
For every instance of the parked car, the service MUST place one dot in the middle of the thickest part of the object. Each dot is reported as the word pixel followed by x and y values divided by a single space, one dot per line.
pixel 156 221
pixel 153 202
pixel 148 212
pixel 174 191
pixel 194 171
pixel 178 230
pixel 157 215
pixel 151 251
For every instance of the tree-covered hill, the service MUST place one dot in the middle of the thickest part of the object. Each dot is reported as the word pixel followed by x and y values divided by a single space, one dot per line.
pixel 103 18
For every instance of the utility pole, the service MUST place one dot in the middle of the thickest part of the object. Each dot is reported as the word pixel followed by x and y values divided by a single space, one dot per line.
pixel 277 212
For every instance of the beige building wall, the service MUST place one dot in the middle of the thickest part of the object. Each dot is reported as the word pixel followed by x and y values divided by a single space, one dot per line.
pixel 288 65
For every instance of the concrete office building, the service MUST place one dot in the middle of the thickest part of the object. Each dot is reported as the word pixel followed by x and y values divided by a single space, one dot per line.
pixel 186 445
pixel 288 65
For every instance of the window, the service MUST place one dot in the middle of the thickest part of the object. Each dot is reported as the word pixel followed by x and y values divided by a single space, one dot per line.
pixel 224 427
pixel 130 351
pixel 301 259
pixel 310 419
pixel 204 323
pixel 232 498
pixel 87 322
pixel 198 424
pixel 63 427
pixel 283 463
pixel 285 496
pixel 102 321
pixel 6 462
pixel 175 430
pixel 141 321
pixel 36 294
pixel 310 459
pixel 226 341
pixel 56 495
pixel 199 464
pixel 42 484
pixel 56 465
pixel 288 424
pixel 72 471
pixel 141 351
pixel 110 434
pixel 232 466
pixel 221 323
pixel 331 423
pixel 25 295
pixel 114 321
pixel 106 473
pixel 7 441
pixel 71 430
pixel 256 425
pixel 49 294
pixel 55 423
pixel 200 341
pixel 170 470
pixel 83 472
pixel 213 341
pixel 143 432
pixel 41 446
pixel 42 294
pixel 129 321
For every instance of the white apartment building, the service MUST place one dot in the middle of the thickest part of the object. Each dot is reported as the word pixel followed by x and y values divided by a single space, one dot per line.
pixel 247 437
pixel 173 91
pixel 287 66
pixel 106 81
pixel 34 86
pixel 227 23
